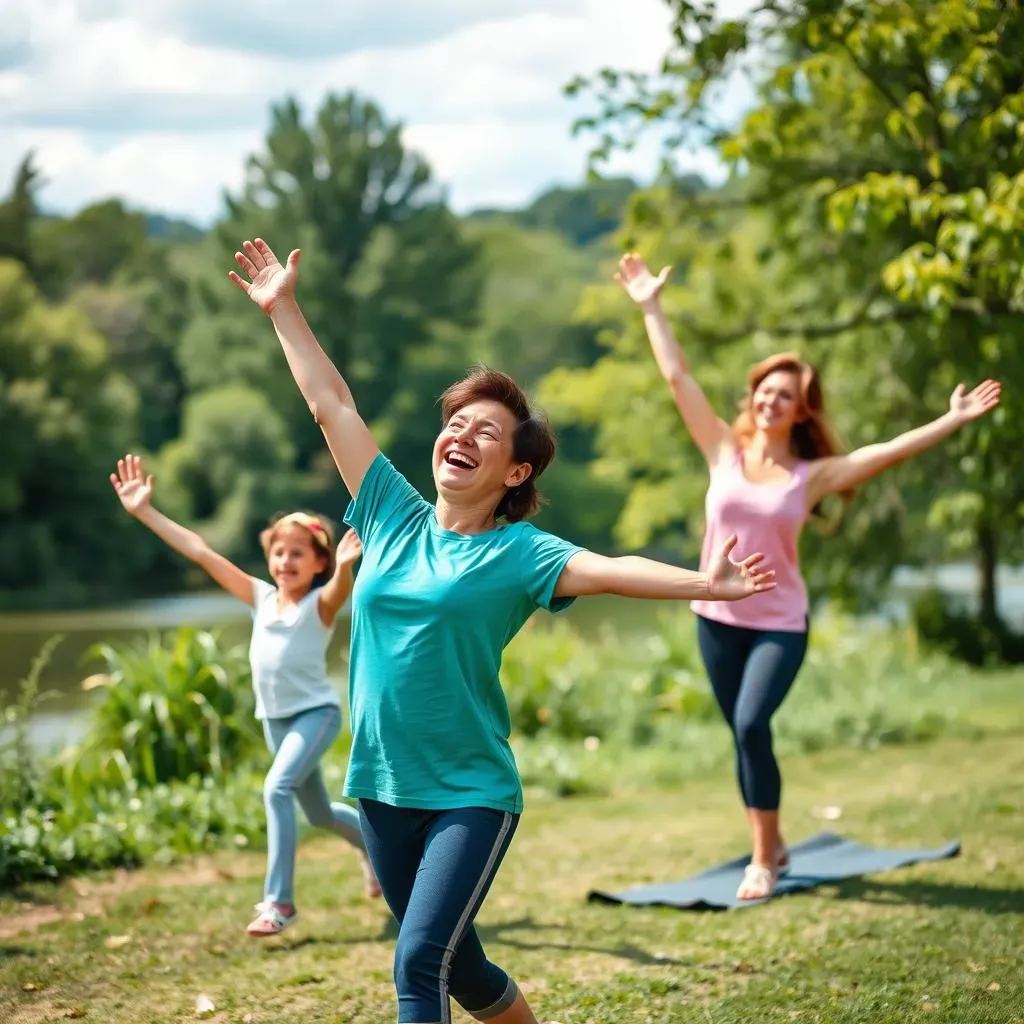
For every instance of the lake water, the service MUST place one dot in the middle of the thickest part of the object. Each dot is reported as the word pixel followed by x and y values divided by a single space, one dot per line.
pixel 63 715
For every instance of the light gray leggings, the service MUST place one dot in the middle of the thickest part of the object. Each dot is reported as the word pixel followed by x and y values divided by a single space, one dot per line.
pixel 297 744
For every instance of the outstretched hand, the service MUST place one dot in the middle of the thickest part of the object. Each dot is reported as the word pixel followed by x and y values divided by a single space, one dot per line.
pixel 133 486
pixel 639 283
pixel 268 282
pixel 732 581
pixel 967 407
pixel 350 548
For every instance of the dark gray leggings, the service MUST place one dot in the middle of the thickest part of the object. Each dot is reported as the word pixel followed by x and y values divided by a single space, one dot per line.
pixel 751 671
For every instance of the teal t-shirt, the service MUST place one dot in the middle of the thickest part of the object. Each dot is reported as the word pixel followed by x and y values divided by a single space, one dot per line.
pixel 432 611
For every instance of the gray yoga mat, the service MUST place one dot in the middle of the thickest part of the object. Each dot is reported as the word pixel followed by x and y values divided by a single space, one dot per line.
pixel 820 860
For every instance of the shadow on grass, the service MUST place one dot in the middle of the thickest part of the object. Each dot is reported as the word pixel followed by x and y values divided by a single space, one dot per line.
pixel 493 933
pixel 9 951
pixel 625 951
pixel 388 932
pixel 932 894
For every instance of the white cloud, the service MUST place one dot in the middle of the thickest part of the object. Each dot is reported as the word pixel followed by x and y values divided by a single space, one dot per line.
pixel 161 103
pixel 176 173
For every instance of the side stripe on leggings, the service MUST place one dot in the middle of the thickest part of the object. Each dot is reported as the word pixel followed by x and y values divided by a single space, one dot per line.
pixel 460 927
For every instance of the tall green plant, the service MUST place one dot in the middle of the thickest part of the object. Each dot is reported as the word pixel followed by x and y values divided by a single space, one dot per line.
pixel 20 774
pixel 173 707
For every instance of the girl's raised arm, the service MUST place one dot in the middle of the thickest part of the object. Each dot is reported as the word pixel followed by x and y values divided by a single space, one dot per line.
pixel 135 489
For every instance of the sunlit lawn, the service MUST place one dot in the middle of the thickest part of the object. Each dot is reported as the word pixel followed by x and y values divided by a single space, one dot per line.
pixel 937 942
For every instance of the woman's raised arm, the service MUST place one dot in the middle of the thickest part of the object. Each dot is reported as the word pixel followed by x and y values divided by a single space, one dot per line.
pixel 272 287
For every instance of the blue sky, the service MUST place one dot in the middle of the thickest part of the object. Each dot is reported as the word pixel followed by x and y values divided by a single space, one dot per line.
pixel 160 101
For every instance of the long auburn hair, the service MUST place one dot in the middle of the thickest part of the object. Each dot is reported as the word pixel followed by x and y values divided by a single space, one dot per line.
pixel 812 436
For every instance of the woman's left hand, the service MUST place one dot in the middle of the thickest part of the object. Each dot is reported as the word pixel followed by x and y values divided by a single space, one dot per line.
pixel 967 407
pixel 732 581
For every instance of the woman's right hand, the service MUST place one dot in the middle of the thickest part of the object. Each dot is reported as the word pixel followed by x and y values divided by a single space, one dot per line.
pixel 133 486
pixel 268 282
pixel 639 283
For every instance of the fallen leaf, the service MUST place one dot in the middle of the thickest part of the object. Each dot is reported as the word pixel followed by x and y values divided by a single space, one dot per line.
pixel 829 813
pixel 204 1006
pixel 975 968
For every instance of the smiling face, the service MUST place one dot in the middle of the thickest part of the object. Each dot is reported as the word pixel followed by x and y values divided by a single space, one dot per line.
pixel 293 559
pixel 775 404
pixel 474 460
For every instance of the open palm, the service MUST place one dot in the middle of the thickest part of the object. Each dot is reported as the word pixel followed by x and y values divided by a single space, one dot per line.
pixel 349 548
pixel 733 581
pixel 269 282
pixel 969 406
pixel 637 280
pixel 133 486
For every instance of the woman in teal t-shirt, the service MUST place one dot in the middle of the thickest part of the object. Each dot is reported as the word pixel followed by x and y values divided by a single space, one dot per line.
pixel 443 588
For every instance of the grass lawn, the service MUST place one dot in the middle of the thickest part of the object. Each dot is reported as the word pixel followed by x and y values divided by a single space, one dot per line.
pixel 942 942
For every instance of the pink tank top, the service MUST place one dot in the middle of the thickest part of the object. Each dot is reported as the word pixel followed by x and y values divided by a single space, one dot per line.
pixel 767 518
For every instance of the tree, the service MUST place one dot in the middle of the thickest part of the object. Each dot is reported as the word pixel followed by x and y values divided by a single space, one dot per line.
pixel 18 213
pixel 879 169
pixel 230 470
pixel 65 414
pixel 386 270
pixel 100 241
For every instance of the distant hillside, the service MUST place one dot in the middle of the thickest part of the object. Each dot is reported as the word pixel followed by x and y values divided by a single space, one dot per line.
pixel 172 229
pixel 581 214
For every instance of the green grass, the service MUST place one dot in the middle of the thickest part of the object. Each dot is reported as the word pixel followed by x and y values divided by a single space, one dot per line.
pixel 942 942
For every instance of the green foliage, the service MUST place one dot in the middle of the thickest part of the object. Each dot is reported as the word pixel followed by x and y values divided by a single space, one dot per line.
pixel 172 760
pixel 861 686
pixel 958 634
pixel 118 827
pixel 874 221
pixel 171 708
pixel 20 773
pixel 94 246
pixel 17 213
pixel 168 767
pixel 66 411
pixel 385 272
pixel 581 215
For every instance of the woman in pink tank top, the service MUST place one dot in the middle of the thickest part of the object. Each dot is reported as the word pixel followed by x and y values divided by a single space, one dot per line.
pixel 769 471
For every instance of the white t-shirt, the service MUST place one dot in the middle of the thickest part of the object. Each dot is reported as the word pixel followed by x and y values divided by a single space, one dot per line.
pixel 288 655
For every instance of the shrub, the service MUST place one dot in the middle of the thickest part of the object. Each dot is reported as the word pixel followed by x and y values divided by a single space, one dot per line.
pixel 171 708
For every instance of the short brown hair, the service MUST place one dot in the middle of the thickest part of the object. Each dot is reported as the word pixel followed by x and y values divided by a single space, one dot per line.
pixel 321 532
pixel 532 443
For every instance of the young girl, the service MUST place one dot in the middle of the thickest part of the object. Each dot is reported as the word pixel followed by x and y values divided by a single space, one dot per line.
pixel 293 620
pixel 769 471
pixel 444 587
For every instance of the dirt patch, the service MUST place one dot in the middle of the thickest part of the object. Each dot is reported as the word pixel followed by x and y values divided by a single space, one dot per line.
pixel 79 898
pixel 43 1012
pixel 27 918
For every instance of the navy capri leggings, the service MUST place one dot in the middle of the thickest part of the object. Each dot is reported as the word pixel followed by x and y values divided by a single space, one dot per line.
pixel 751 671
pixel 435 868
